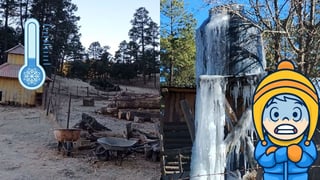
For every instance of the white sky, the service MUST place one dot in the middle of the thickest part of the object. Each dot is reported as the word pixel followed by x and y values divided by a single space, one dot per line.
pixel 108 21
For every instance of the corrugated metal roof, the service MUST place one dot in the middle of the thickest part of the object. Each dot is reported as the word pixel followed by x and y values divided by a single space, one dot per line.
pixel 9 70
pixel 12 71
pixel 18 49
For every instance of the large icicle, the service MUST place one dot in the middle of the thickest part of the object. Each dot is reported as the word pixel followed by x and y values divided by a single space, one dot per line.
pixel 212 45
pixel 209 155
pixel 228 47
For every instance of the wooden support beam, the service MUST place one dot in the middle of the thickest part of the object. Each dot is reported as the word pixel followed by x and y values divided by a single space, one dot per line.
pixel 188 118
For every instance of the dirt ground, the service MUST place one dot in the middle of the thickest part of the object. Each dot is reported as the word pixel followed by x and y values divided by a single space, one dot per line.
pixel 29 150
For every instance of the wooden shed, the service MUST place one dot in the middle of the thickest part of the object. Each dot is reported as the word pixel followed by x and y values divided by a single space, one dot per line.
pixel 176 140
pixel 11 92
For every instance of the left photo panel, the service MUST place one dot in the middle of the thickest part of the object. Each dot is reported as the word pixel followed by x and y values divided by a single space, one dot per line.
pixel 80 89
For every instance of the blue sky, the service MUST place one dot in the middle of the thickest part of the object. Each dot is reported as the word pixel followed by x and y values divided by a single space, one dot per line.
pixel 109 21
pixel 199 9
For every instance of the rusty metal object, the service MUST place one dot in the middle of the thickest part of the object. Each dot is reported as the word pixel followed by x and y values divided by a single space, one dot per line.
pixel 63 135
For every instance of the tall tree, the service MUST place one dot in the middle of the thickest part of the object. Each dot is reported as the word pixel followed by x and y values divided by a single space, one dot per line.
pixel 95 50
pixel 133 51
pixel 140 33
pixel 8 9
pixel 122 55
pixel 8 39
pixel 64 31
pixel 140 24
pixel 154 33
pixel 177 42
pixel 23 12
pixel 106 55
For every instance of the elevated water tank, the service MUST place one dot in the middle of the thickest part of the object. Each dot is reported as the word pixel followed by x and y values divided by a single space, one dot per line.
pixel 228 43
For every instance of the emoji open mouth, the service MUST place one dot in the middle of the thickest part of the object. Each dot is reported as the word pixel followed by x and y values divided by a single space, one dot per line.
pixel 285 129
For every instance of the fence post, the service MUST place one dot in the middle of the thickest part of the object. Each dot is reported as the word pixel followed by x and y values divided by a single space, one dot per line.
pixel 87 91
pixel 48 107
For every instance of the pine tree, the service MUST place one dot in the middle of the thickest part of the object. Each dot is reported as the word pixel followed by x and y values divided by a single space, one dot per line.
pixel 123 55
pixel 141 33
pixel 8 9
pixel 95 50
pixel 64 31
pixel 177 43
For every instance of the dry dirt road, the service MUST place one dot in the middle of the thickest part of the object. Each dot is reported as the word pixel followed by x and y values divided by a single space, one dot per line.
pixel 28 151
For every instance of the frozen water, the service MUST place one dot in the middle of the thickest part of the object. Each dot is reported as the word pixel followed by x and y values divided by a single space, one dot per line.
pixel 221 55
pixel 209 155
pixel 228 45
pixel 212 46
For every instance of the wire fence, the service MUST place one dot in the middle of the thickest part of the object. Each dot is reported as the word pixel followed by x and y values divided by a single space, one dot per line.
pixel 256 173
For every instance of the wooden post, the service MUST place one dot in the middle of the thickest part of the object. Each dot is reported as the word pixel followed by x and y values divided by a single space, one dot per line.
pixel 188 117
pixel 69 111
pixel 48 107
pixel 129 130
pixel 45 95
pixel 54 79
pixel 87 91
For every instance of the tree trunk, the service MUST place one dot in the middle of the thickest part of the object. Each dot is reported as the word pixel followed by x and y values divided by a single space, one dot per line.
pixel 122 113
pixel 107 110
pixel 138 104
pixel 142 114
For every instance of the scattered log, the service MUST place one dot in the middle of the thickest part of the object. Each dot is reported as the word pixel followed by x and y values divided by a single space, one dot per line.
pixel 126 93
pixel 139 119
pixel 151 146
pixel 133 98
pixel 88 102
pixel 90 124
pixel 155 120
pixel 122 114
pixel 133 131
pixel 143 114
pixel 107 110
pixel 111 105
pixel 138 104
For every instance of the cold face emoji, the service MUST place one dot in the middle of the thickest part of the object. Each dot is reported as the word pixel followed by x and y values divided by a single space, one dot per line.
pixel 285 117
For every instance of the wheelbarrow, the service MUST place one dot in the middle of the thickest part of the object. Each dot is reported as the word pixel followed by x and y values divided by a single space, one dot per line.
pixel 113 147
pixel 65 138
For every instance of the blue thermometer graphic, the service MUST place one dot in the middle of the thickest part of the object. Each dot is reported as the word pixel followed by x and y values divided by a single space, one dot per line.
pixel 31 75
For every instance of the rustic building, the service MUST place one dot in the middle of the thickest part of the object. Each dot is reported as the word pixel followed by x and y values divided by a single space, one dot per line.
pixel 11 92
pixel 176 128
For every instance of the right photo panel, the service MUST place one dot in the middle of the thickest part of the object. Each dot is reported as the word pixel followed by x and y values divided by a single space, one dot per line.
pixel 239 82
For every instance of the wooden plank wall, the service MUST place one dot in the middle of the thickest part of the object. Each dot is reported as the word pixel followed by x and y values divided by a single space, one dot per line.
pixel 176 142
pixel 13 92
pixel 16 59
pixel 173 96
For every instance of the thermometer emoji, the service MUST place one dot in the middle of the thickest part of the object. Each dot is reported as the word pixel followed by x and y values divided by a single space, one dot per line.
pixel 31 75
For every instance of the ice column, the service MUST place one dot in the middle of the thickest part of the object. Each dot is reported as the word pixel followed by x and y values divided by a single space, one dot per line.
pixel 209 155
